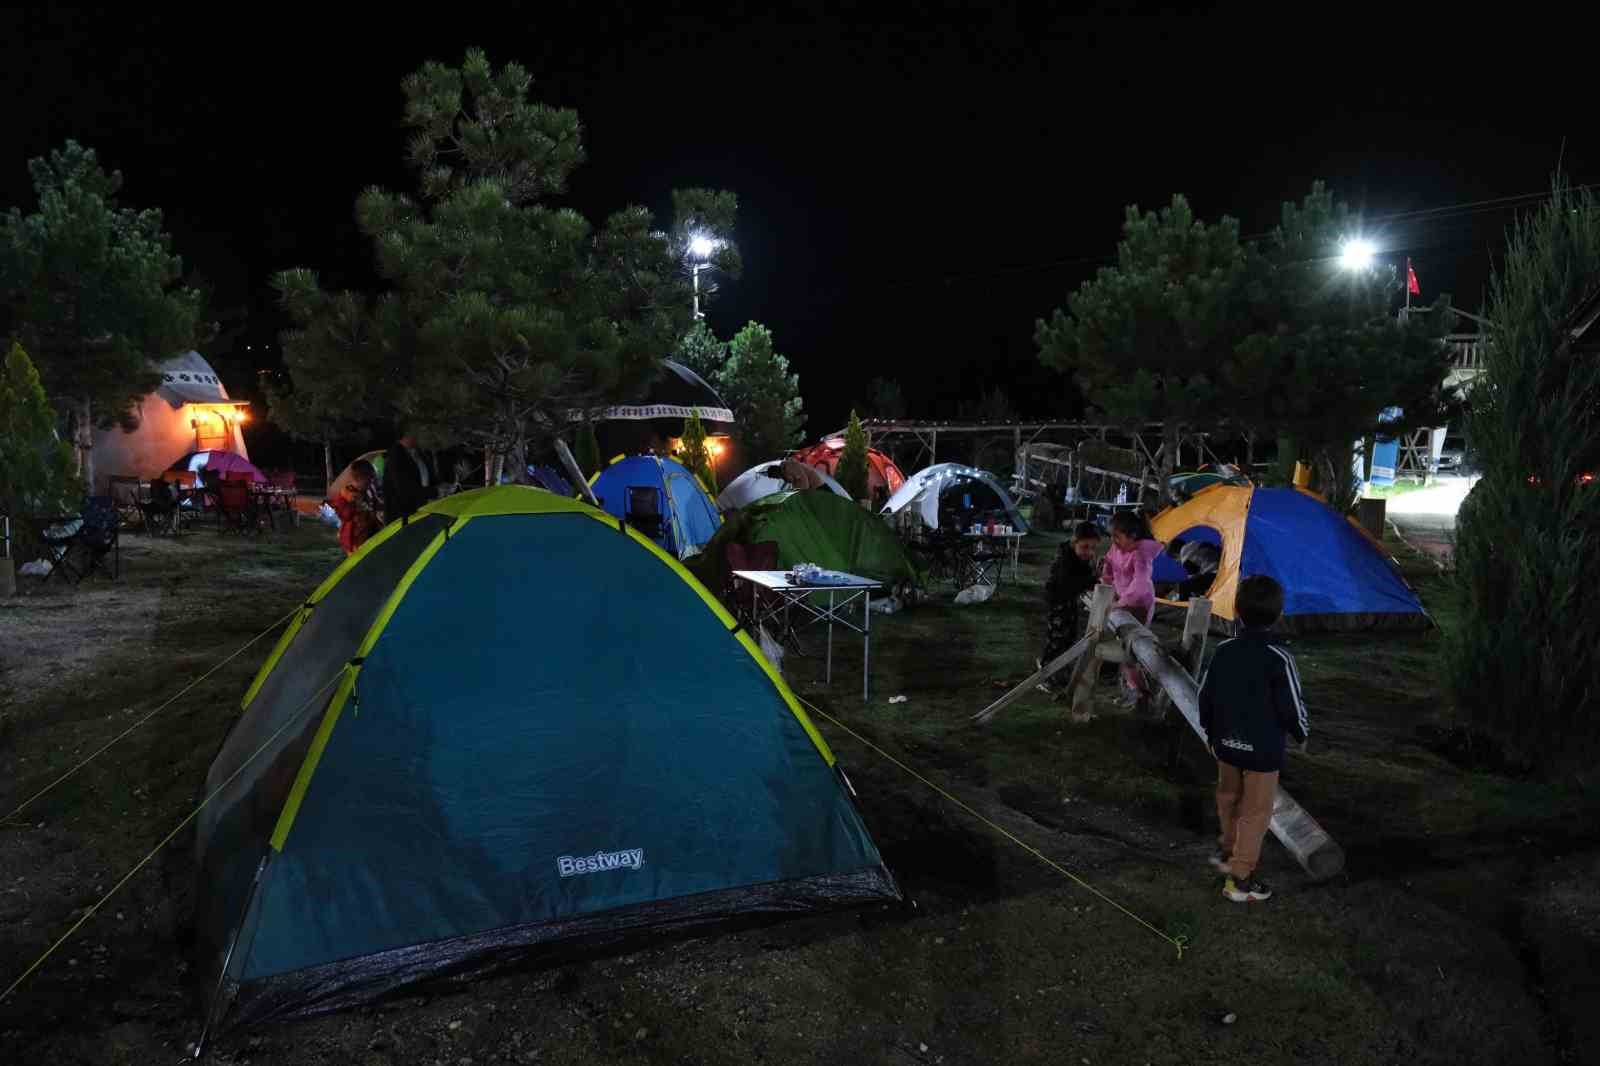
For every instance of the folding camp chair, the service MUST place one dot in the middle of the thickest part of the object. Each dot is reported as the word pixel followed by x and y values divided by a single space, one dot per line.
pixel 236 508
pixel 644 511
pixel 762 555
pixel 100 537
pixel 161 511
pixel 59 535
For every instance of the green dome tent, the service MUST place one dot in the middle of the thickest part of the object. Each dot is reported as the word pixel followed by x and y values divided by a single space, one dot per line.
pixel 506 726
pixel 812 527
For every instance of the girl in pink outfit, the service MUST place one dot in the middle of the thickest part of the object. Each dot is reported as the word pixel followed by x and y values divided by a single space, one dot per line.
pixel 1128 567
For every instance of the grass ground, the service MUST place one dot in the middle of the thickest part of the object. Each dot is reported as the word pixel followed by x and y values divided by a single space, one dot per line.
pixel 1390 491
pixel 1463 931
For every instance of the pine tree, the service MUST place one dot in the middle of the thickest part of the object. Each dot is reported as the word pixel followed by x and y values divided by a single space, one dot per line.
pixel 36 466
pixel 702 352
pixel 755 381
pixel 95 293
pixel 507 314
pixel 1196 330
pixel 1324 356
pixel 1523 661
pixel 694 455
pixel 851 473
pixel 338 384
pixel 1145 338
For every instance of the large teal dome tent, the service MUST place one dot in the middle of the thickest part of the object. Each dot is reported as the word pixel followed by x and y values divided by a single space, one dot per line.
pixel 509 725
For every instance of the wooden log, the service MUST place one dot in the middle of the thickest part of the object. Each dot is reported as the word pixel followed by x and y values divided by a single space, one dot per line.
pixel 1088 672
pixel 1196 628
pixel 581 482
pixel 1316 852
pixel 1048 670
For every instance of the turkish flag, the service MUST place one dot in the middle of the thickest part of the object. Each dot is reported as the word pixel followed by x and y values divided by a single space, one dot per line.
pixel 1411 280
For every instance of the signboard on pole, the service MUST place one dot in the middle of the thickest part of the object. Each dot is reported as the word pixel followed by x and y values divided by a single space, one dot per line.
pixel 1385 452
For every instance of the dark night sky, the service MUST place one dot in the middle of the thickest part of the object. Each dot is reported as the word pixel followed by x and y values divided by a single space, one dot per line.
pixel 915 190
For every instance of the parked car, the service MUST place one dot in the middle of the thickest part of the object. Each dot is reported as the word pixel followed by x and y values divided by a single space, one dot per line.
pixel 1453 456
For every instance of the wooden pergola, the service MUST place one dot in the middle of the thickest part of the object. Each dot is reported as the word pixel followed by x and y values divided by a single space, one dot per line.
pixel 1145 442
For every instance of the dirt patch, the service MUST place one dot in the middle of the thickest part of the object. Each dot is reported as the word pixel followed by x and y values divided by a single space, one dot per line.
pixel 48 640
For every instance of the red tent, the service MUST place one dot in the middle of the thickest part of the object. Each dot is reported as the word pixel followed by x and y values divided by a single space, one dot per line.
pixel 881 471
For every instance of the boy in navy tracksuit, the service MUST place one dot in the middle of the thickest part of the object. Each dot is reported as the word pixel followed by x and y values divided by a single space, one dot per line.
pixel 1249 698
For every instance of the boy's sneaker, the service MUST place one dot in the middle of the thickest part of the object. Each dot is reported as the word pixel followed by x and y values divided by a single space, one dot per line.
pixel 1219 862
pixel 1246 890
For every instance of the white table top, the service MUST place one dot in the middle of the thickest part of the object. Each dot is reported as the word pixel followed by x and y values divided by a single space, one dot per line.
pixel 778 581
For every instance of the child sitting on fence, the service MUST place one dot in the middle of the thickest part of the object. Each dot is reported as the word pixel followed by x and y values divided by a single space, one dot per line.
pixel 1129 567
pixel 1071 575
pixel 1249 700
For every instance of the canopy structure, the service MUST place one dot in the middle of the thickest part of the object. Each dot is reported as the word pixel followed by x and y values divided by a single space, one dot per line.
pixel 883 476
pixel 660 413
pixel 217 465
pixel 504 728
pixel 683 518
pixel 1333 575
pixel 950 491
pixel 779 475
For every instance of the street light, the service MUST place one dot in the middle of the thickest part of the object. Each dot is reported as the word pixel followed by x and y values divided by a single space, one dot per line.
pixel 1357 254
pixel 701 248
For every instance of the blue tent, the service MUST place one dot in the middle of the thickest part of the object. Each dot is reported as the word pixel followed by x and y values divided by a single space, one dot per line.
pixel 688 516
pixel 502 730
pixel 1334 576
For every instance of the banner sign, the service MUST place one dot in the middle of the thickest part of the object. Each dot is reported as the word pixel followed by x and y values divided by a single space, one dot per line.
pixel 1385 452
pixel 657 410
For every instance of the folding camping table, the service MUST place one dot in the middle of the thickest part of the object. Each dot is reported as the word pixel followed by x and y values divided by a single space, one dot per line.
pixel 788 595
pixel 1011 546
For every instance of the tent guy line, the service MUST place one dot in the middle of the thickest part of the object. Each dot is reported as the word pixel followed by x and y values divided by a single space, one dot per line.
pixel 153 852
pixel 1179 942
pixel 168 703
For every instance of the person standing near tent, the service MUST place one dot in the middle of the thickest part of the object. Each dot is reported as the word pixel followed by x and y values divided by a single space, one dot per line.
pixel 1129 568
pixel 1249 700
pixel 1071 575
pixel 408 484
pixel 358 520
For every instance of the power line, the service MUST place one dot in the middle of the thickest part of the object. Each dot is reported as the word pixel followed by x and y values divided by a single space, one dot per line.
pixel 1442 213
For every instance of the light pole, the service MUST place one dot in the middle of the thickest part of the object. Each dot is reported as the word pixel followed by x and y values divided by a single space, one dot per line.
pixel 701 249
pixel 1357 255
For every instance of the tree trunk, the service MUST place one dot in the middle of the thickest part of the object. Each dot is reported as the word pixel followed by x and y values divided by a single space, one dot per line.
pixel 1288 454
pixel 1169 455
pixel 517 459
pixel 85 444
